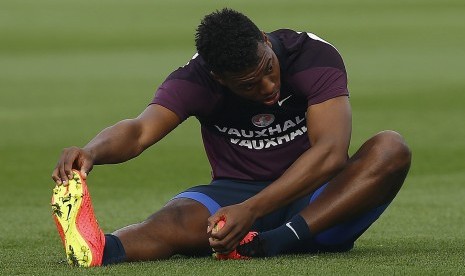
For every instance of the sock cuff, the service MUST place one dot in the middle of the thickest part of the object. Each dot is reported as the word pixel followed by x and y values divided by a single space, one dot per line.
pixel 299 226
pixel 114 251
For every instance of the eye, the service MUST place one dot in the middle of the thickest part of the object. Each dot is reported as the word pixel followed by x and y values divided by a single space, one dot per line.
pixel 270 68
pixel 248 87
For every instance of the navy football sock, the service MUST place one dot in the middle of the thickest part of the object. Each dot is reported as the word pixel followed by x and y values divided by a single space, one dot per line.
pixel 285 237
pixel 113 252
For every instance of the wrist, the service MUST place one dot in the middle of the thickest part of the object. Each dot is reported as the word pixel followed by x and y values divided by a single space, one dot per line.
pixel 254 207
pixel 91 154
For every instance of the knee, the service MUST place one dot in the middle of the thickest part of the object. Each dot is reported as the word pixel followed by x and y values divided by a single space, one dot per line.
pixel 392 151
pixel 187 220
pixel 184 218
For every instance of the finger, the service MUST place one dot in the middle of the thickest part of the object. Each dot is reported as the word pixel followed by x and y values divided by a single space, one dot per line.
pixel 235 240
pixel 224 241
pixel 228 247
pixel 217 245
pixel 221 247
pixel 70 159
pixel 213 220
pixel 61 174
pixel 55 177
pixel 222 231
pixel 63 178
pixel 230 242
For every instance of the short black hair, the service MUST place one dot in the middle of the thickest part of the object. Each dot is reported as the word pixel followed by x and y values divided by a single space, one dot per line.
pixel 228 41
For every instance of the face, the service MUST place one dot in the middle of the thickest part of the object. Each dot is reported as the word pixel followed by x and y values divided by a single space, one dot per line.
pixel 260 83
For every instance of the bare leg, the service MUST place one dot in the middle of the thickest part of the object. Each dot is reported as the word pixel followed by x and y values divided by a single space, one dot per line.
pixel 178 228
pixel 372 177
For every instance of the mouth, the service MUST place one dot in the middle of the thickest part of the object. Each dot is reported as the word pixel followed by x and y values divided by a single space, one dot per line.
pixel 272 99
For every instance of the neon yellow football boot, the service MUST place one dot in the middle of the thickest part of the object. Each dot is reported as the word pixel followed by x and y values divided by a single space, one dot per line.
pixel 76 223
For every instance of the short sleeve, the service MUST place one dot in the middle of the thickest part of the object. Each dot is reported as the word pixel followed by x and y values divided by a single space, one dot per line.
pixel 183 98
pixel 321 83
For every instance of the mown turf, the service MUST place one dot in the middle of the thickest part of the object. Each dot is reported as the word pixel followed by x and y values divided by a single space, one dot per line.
pixel 70 68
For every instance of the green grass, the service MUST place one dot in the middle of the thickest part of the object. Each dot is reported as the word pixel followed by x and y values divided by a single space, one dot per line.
pixel 105 58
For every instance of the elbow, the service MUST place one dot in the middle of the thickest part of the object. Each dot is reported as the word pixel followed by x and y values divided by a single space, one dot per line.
pixel 334 162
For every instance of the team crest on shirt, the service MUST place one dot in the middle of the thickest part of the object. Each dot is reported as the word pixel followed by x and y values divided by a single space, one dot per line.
pixel 263 120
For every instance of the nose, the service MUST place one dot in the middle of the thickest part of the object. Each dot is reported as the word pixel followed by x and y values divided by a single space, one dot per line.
pixel 268 86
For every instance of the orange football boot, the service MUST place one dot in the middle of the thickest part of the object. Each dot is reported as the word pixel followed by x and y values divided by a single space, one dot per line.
pixel 250 246
pixel 235 254
pixel 76 223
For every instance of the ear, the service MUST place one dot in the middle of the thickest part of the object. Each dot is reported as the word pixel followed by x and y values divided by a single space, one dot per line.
pixel 217 77
pixel 266 40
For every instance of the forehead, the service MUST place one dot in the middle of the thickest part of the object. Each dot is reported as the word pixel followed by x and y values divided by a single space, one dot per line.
pixel 264 54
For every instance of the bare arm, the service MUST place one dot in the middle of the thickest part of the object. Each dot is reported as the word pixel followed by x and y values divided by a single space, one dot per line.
pixel 329 128
pixel 118 143
pixel 129 138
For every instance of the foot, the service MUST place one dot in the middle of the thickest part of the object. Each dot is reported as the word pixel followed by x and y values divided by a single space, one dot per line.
pixel 250 246
pixel 78 228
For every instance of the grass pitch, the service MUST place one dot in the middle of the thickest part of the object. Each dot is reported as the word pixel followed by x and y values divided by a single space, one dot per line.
pixel 70 68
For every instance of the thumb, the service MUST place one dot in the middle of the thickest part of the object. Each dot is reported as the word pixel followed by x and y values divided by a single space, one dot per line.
pixel 210 225
pixel 213 220
pixel 85 169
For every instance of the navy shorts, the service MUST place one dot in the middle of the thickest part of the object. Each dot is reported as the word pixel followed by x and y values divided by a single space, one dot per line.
pixel 226 192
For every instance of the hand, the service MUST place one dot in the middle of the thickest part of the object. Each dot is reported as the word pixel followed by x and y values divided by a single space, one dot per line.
pixel 72 158
pixel 238 220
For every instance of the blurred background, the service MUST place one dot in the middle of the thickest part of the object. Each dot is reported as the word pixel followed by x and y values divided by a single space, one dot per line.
pixel 68 69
